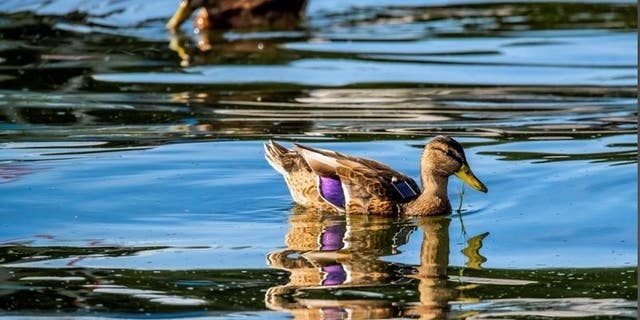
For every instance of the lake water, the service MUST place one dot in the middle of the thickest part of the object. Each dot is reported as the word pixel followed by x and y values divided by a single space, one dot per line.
pixel 133 183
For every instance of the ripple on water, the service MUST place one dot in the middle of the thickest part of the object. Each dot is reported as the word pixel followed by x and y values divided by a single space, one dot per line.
pixel 133 187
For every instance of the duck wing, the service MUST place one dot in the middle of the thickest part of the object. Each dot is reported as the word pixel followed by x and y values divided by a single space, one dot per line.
pixel 366 184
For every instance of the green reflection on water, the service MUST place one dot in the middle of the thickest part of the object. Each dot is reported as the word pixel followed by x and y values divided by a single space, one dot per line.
pixel 330 264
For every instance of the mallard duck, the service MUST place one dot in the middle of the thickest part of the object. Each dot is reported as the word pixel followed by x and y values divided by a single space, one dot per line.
pixel 328 180
pixel 238 13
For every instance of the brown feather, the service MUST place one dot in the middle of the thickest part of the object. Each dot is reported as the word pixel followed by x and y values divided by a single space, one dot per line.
pixel 300 179
pixel 369 186
pixel 365 180
pixel 322 162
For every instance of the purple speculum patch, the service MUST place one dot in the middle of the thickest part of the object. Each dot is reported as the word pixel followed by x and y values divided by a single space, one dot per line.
pixel 331 190
pixel 331 238
pixel 334 275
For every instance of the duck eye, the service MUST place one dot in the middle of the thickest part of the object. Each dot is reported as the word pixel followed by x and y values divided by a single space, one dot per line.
pixel 454 156
pixel 451 154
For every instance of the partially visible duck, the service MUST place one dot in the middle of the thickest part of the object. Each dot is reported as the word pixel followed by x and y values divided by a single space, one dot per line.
pixel 238 13
pixel 328 180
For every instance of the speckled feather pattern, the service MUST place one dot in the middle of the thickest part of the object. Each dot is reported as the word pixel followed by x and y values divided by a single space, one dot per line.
pixel 368 185
pixel 300 179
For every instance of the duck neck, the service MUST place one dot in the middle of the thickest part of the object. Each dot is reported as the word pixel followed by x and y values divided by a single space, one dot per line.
pixel 434 199
pixel 434 185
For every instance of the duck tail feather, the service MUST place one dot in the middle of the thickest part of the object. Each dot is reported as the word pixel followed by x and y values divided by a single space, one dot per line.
pixel 274 153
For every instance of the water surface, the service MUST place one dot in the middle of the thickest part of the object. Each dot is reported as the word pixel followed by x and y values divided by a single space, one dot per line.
pixel 133 184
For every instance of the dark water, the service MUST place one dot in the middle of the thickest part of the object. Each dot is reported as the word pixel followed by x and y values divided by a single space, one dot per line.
pixel 133 185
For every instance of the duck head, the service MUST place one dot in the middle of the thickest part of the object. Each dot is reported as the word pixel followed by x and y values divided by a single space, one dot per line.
pixel 443 156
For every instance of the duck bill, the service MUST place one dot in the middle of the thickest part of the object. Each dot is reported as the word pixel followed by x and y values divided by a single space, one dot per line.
pixel 465 174
pixel 183 13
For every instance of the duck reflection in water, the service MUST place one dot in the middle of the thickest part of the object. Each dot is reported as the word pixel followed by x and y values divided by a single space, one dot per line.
pixel 338 255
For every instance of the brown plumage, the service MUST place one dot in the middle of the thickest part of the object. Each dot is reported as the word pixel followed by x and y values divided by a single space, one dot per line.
pixel 239 13
pixel 315 176
pixel 300 179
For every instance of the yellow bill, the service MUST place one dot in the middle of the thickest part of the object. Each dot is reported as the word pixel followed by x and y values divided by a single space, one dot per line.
pixel 465 174
pixel 183 13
